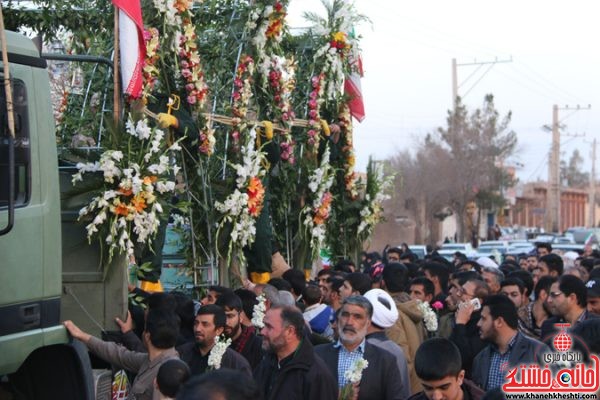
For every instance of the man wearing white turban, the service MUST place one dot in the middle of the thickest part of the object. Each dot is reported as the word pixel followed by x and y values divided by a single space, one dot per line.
pixel 385 315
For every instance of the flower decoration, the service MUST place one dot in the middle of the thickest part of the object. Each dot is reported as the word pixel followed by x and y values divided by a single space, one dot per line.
pixel 353 376
pixel 339 41
pixel 207 140
pixel 242 92
pixel 150 70
pixel 314 104
pixel 437 305
pixel 137 184
pixel 258 312
pixel 345 122
pixel 429 316
pixel 216 353
pixel 191 71
pixel 316 212
pixel 242 207
pixel 268 26
pixel 377 186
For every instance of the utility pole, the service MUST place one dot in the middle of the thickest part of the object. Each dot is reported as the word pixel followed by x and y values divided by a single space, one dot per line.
pixel 455 65
pixel 592 200
pixel 553 194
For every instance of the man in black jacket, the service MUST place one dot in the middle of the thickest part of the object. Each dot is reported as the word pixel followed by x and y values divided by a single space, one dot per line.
pixel 499 324
pixel 290 369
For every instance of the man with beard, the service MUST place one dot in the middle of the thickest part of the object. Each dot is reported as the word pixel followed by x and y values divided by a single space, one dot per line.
pixel 498 325
pixel 290 369
pixel 208 325
pixel 381 379
pixel 536 312
pixel 243 338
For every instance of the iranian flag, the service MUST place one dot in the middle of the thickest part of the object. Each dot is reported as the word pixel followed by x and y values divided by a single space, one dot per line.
pixel 131 45
pixel 352 87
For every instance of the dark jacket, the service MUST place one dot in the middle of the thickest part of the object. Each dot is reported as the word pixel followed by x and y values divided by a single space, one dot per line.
pixel 470 392
pixel 249 345
pixel 549 330
pixel 198 363
pixel 380 380
pixel 302 376
pixel 525 351
pixel 466 338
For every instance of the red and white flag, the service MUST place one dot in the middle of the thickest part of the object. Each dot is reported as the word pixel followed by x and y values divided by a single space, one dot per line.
pixel 352 88
pixel 132 45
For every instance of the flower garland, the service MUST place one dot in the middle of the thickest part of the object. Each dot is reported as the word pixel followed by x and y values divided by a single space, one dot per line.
pixel 135 185
pixel 258 311
pixel 278 77
pixel 345 121
pixel 150 70
pixel 242 207
pixel 317 212
pixel 207 140
pixel 314 105
pixel 372 211
pixel 353 377
pixel 268 25
pixel 429 316
pixel 216 353
pixel 242 92
pixel 191 70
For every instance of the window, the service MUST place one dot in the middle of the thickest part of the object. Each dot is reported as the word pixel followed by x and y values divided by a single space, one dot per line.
pixel 22 176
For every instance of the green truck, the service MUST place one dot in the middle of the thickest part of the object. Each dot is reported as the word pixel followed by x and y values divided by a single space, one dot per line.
pixel 48 271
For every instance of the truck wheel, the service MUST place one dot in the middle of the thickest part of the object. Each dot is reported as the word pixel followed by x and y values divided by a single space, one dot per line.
pixel 54 372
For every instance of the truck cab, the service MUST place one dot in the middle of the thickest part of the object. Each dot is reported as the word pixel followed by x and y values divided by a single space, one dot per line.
pixel 48 270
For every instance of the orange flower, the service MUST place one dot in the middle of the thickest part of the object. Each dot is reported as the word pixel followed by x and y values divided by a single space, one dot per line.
pixel 148 180
pixel 322 213
pixel 121 209
pixel 181 5
pixel 256 195
pixel 126 192
pixel 138 203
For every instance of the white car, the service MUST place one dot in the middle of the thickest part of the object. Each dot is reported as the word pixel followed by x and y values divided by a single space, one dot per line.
pixel 448 249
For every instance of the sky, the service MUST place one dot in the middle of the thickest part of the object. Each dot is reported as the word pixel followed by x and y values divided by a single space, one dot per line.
pixel 407 58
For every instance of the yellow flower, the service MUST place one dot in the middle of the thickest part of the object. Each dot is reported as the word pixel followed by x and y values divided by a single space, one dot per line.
pixel 339 36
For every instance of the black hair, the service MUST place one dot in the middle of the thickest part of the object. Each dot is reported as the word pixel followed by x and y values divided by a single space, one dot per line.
pixel 220 290
pixel 296 279
pixel 513 281
pixel 324 272
pixel 291 316
pixel 335 282
pixel 395 276
pixel 526 278
pixel 161 300
pixel 544 245
pixel 396 250
pixel 428 287
pixel 171 375
pixel 569 284
pixel 280 284
pixel 311 294
pixel 220 384
pixel 440 271
pixel 185 311
pixel 437 359
pixel 248 298
pixel 465 276
pixel 343 266
pixel 219 317
pixel 544 283
pixel 360 282
pixel 501 306
pixel 229 300
pixel 475 264
pixel 554 263
pixel 163 327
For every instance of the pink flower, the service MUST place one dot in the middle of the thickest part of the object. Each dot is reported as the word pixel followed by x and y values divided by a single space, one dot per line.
pixel 186 73
pixel 312 114
pixel 437 305
pixel 312 104
pixel 191 99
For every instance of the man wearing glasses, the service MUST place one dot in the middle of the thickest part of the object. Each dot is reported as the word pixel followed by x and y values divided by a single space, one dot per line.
pixel 567 302
pixel 465 334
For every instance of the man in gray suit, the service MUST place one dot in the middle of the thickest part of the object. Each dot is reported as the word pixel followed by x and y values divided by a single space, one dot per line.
pixel 499 324
pixel 381 379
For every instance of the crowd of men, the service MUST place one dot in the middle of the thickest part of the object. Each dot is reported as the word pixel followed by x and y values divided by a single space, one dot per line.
pixel 428 329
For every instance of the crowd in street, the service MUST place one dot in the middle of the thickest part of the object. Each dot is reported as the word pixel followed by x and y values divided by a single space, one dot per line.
pixel 391 326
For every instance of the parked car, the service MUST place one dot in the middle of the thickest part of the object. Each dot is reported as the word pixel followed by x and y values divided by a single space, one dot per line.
pixel 496 248
pixel 419 250
pixel 448 249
